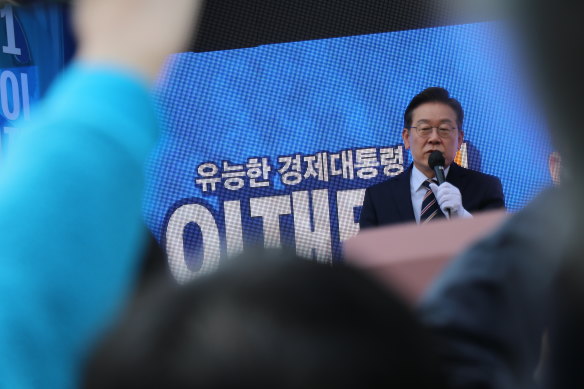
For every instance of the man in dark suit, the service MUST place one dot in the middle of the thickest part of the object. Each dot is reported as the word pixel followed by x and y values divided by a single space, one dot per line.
pixel 432 121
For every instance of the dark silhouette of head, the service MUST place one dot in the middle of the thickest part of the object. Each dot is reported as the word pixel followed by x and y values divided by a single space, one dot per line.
pixel 268 320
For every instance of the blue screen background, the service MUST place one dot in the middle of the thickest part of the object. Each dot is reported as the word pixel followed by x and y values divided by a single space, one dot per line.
pixel 332 95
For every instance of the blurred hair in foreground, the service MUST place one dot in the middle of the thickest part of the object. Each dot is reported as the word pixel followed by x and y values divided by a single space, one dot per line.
pixel 268 320
pixel 554 42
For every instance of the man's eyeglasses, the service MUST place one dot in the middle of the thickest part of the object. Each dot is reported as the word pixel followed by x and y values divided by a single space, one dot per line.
pixel 444 131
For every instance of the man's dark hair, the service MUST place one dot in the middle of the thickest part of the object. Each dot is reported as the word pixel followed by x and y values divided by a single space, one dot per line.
pixel 269 320
pixel 434 95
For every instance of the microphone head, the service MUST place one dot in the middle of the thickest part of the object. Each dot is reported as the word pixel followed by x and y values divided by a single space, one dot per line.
pixel 436 158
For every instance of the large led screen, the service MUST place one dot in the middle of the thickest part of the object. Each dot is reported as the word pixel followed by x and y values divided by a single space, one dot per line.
pixel 274 145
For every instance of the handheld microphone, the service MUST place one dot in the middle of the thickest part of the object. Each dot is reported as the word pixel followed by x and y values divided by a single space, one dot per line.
pixel 436 162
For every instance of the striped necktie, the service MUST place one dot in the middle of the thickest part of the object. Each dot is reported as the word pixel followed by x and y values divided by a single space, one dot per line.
pixel 430 208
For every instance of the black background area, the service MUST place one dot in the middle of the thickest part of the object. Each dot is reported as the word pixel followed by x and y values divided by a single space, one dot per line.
pixel 233 24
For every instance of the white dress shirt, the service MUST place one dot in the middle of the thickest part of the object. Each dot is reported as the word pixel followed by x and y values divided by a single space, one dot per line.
pixel 418 191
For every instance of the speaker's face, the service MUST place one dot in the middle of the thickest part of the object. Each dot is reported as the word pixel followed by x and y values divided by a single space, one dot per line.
pixel 438 118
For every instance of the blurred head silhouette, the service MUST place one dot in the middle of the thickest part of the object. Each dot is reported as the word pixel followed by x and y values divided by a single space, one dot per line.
pixel 555 41
pixel 269 320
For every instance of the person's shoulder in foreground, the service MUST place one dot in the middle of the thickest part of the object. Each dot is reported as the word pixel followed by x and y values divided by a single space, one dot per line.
pixel 69 243
pixel 488 307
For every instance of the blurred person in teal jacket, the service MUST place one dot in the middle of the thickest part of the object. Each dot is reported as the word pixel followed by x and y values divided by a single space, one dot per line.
pixel 70 191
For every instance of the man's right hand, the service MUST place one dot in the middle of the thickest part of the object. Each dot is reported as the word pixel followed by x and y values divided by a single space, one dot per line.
pixel 134 34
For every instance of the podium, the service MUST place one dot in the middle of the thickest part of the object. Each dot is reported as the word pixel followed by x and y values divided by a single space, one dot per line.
pixel 409 256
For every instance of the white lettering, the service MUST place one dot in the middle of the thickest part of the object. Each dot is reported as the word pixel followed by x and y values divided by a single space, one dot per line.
pixel 270 209
pixel 233 228
pixel 347 201
pixel 319 237
pixel 10 48
pixel 198 214
pixel 5 78
pixel 25 95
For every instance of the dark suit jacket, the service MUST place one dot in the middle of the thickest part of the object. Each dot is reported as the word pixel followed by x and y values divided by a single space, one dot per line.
pixel 390 202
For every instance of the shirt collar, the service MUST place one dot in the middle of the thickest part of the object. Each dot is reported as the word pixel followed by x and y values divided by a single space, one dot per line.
pixel 418 178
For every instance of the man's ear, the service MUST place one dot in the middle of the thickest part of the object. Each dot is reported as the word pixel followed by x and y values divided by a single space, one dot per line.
pixel 406 138
pixel 460 139
pixel 555 163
